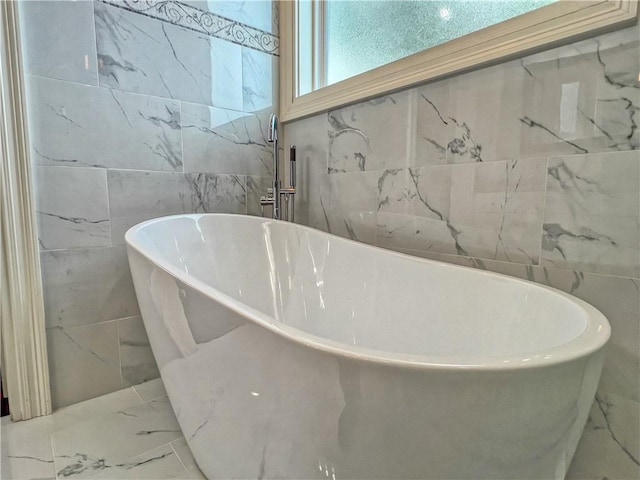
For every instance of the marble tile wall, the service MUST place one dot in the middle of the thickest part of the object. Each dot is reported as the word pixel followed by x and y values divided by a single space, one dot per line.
pixel 136 111
pixel 529 168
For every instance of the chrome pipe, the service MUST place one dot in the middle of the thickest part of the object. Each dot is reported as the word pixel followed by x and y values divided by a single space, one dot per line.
pixel 272 137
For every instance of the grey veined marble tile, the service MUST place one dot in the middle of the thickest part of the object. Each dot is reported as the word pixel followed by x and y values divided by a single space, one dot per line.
pixel 83 286
pixel 313 187
pixel 224 141
pixel 592 213
pixel 491 209
pixel 59 40
pixel 372 135
pixel 81 452
pixel 72 207
pixel 83 362
pixel 582 98
pixel 79 125
pixel 610 443
pixel 135 196
pixel 140 54
pixel 259 81
pixel 136 358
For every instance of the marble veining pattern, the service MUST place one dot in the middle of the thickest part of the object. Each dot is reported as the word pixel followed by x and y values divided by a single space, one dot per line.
pixel 26 447
pixel 139 54
pixel 121 130
pixel 592 213
pixel 188 15
pixel 216 140
pixel 123 435
pixel 361 137
pixel 72 207
pixel 573 112
pixel 135 196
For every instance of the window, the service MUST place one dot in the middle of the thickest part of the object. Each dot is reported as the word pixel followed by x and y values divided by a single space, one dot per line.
pixel 336 52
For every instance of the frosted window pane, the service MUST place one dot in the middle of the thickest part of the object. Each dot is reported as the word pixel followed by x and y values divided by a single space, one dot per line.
pixel 362 35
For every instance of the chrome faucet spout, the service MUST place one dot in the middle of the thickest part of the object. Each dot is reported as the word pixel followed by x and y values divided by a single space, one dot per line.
pixel 272 135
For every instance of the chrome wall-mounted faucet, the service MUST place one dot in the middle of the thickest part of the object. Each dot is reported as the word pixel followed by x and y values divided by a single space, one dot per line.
pixel 276 194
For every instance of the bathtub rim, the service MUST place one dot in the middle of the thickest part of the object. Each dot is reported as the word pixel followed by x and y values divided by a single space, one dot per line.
pixel 593 338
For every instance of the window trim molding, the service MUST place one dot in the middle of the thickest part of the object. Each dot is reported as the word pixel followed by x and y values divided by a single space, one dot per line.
pixel 547 27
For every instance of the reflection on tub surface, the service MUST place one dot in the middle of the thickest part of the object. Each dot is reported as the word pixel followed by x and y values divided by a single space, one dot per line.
pixel 290 353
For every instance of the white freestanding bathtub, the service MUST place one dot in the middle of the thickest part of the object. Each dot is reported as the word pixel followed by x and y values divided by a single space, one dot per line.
pixel 287 352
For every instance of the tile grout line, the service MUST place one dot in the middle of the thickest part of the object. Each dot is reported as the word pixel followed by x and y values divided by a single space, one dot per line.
pixel 544 208
pixel 179 457
pixel 53 455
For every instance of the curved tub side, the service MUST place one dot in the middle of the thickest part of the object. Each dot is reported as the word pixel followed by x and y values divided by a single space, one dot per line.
pixel 254 404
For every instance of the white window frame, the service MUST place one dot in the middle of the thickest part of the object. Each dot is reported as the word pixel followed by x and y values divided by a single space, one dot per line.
pixel 547 27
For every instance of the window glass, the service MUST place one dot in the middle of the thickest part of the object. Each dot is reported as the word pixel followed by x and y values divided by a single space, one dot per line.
pixel 362 35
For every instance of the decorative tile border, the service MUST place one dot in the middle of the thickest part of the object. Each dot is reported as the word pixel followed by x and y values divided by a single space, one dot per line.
pixel 186 16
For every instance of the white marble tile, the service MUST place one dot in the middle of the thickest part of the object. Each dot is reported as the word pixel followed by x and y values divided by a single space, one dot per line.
pixel 434 130
pixel 592 213
pixel 313 194
pixel 255 13
pixel 59 40
pixel 259 81
pixel 256 188
pixel 83 286
pixel 135 196
pixel 79 125
pixel 224 141
pixel 25 450
pixel 490 210
pixel 352 211
pixel 159 463
pixel 582 98
pixel 610 443
pixel 72 207
pixel 373 135
pixel 81 451
pixel 140 54
pixel 150 390
pixel 77 413
pixel 182 450
pixel 83 362
pixel 136 358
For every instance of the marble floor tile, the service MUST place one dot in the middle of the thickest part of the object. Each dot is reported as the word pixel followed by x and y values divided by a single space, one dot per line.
pixel 25 449
pixel 72 415
pixel 151 390
pixel 82 450
pixel 182 449
pixel 159 463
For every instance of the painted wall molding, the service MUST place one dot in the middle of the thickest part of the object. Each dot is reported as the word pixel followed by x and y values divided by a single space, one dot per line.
pixel 201 21
pixel 24 360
